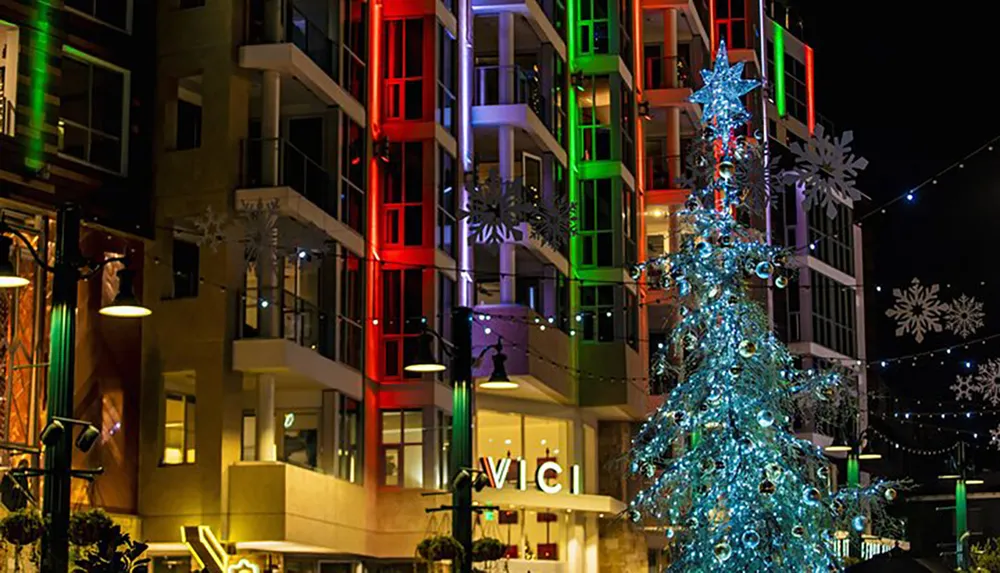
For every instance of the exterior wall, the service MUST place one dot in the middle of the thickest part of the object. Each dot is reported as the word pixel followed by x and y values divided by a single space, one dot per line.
pixel 622 548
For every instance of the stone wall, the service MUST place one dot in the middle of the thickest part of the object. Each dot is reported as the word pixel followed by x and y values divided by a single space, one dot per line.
pixel 622 548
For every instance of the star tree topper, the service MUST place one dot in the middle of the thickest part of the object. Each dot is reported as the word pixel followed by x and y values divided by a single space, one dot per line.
pixel 721 96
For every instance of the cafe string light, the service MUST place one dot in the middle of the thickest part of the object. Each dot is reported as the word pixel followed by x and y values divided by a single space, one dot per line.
pixel 747 495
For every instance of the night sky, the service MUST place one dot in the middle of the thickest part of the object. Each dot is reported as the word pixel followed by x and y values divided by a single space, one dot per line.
pixel 913 85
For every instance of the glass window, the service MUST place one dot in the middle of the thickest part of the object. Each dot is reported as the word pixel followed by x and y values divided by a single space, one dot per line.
pixel 447 80
pixel 403 448
pixel 186 262
pixel 93 116
pixel 349 416
pixel 403 209
pixel 534 439
pixel 446 223
pixel 444 449
pixel 355 40
pixel 403 313
pixel 596 223
pixel 834 238
pixel 403 45
pixel 595 118
pixel 352 175
pixel 833 314
pixel 352 310
pixel 300 438
pixel 597 305
pixel 446 302
pixel 113 12
pixel 594 26
pixel 179 429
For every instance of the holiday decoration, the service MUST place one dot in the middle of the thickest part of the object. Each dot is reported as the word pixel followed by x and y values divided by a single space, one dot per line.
pixel 825 169
pixel 211 229
pixel 746 495
pixel 552 219
pixel 964 316
pixel 995 438
pixel 988 376
pixel 964 387
pixel 917 310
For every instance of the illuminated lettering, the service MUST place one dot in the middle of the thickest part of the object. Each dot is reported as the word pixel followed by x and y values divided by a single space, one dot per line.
pixel 540 477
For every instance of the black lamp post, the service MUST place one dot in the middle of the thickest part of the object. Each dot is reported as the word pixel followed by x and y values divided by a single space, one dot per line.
pixel 463 411
pixel 68 269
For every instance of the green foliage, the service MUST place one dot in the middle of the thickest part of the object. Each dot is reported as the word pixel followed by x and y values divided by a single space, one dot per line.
pixel 488 549
pixel 23 527
pixel 986 556
pixel 87 528
pixel 114 552
pixel 441 548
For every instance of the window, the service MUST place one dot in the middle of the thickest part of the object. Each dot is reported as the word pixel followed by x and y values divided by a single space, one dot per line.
pixel 404 49
pixel 186 4
pixel 93 116
pixel 834 238
pixel 351 310
pixel 629 225
pixel 349 431
pixel 186 269
pixel 562 302
pixel 594 27
pixel 730 22
pixel 446 302
pixel 625 31
pixel 8 77
pixel 300 438
pixel 631 320
pixel 627 127
pixel 595 118
pixel 188 127
pixel 596 223
pixel 447 80
pixel 446 224
pixel 444 449
pixel 796 96
pixel 403 448
pixel 355 34
pixel 179 429
pixel 403 208
pixel 597 304
pixel 833 314
pixel 402 292
pixel 352 175
pixel 117 13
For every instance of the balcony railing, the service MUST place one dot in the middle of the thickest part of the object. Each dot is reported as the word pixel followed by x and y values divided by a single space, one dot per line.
pixel 659 174
pixel 296 320
pixel 295 169
pixel 309 36
pixel 6 116
pixel 665 72
pixel 525 87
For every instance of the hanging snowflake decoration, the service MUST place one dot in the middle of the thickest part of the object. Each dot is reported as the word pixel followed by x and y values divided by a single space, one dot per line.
pixel 826 169
pixel 917 310
pixel 496 209
pixel 698 172
pixel 964 387
pixel 552 219
pixel 757 175
pixel 964 316
pixel 995 438
pixel 211 229
pixel 988 377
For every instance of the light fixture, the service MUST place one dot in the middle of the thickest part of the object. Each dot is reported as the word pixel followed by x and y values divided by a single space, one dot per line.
pixel 499 379
pixel 974 482
pixel 126 305
pixel 88 436
pixel 477 480
pixel 837 448
pixel 425 360
pixel 949 476
pixel 52 433
pixel 870 456
pixel 8 276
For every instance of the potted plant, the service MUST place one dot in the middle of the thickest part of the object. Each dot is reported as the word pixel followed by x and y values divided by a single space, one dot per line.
pixel 23 528
pixel 114 552
pixel 88 527
pixel 488 549
pixel 441 548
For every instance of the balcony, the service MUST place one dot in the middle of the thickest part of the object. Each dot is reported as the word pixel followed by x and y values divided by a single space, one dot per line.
pixel 512 96
pixel 303 188
pixel 695 13
pixel 304 52
pixel 545 17
pixel 526 343
pixel 298 346
pixel 663 190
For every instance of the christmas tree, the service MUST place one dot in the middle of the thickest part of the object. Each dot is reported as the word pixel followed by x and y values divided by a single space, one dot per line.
pixel 745 494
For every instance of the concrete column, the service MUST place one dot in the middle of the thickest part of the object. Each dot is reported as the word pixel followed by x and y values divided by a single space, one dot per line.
pixel 670 75
pixel 273 29
pixel 591 545
pixel 266 448
pixel 505 147
pixel 329 433
pixel 575 541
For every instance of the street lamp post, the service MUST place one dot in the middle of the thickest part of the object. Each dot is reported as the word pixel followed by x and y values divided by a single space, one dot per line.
pixel 854 450
pixel 68 269
pixel 463 413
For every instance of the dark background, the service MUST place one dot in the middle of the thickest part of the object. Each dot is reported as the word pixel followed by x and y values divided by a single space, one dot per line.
pixel 916 85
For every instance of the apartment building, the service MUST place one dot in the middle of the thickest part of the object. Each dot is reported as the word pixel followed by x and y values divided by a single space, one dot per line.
pixel 75 128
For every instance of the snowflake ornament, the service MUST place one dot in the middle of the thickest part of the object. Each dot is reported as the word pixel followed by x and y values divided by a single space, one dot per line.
pixel 699 172
pixel 964 387
pixel 211 228
pixel 965 316
pixel 988 377
pixel 917 310
pixel 757 176
pixel 256 226
pixel 995 438
pixel 552 220
pixel 496 209
pixel 826 169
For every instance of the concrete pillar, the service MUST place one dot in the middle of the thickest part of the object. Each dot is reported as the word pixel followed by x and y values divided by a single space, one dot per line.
pixel 266 448
pixel 591 545
pixel 575 541
pixel 329 434
pixel 672 81
pixel 273 29
pixel 505 147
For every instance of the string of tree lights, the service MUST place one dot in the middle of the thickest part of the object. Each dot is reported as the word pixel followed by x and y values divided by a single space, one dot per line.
pixel 911 195
pixel 909 449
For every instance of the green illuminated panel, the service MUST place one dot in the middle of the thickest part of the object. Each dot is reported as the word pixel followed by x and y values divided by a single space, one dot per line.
pixel 41 37
pixel 779 69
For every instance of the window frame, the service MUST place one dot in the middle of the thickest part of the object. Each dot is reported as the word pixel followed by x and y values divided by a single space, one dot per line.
pixel 591 225
pixel 186 400
pixel 447 215
pixel 400 448
pixel 350 317
pixel 405 335
pixel 590 130
pixel 595 316
pixel 123 137
pixel 394 213
pixel 396 107
pixel 343 401
pixel 129 13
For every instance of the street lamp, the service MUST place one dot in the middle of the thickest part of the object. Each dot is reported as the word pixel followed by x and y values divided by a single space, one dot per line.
pixel 68 269
pixel 463 409
pixel 854 450
pixel 961 507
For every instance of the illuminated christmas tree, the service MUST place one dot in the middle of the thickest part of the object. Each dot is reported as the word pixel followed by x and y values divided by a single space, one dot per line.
pixel 745 495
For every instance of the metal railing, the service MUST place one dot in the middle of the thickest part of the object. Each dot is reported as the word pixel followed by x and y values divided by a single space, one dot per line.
pixel 664 72
pixel 6 116
pixel 294 169
pixel 297 320
pixel 298 29
pixel 659 174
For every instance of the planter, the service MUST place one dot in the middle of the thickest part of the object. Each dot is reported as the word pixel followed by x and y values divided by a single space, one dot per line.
pixel 441 548
pixel 488 549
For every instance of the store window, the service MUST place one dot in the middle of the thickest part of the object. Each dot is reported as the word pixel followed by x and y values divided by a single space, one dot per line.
pixel 349 431
pixel 403 319
pixel 403 448
pixel 597 305
pixel 93 115
pixel 595 118
pixel 404 47
pixel 596 223
pixel 531 438
pixel 178 429
pixel 403 208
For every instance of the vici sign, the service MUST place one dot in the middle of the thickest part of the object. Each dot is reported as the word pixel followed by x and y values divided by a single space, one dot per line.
pixel 497 470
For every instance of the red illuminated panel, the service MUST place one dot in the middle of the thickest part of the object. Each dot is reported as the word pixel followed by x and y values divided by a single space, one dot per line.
pixel 810 93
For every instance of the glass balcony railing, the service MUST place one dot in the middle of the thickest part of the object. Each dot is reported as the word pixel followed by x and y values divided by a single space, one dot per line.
pixel 507 85
pixel 659 174
pixel 311 37
pixel 665 72
pixel 276 313
pixel 294 169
